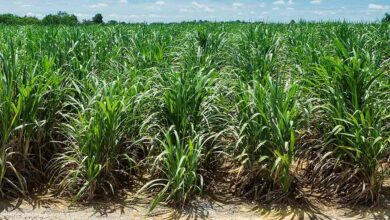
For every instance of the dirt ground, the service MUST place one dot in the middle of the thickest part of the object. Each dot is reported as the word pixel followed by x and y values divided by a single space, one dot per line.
pixel 218 206
pixel 46 207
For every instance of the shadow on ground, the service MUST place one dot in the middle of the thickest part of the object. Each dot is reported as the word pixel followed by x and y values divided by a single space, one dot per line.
pixel 220 206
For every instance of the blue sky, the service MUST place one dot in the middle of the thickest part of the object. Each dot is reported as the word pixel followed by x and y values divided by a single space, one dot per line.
pixel 215 10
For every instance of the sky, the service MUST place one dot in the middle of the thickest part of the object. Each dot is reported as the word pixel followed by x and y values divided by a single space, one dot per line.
pixel 213 10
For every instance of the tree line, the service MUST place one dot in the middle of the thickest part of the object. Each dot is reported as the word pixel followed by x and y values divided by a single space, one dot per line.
pixel 61 18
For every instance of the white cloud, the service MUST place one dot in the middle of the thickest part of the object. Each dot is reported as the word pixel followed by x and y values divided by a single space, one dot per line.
pixel 378 7
pixel 98 5
pixel 131 16
pixel 156 16
pixel 123 1
pixel 31 14
pixel 202 7
pixel 185 10
pixel 315 2
pixel 279 2
pixel 290 2
pixel 237 5
pixel 319 12
pixel 290 8
pixel 324 12
pixel 125 17
pixel 160 3
pixel 276 8
pixel 82 15
pixel 262 5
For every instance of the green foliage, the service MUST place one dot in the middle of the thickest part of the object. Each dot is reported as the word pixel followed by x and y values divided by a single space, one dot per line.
pixel 254 53
pixel 185 115
pixel 184 96
pixel 86 109
pixel 26 112
pixel 267 123
pixel 386 18
pixel 61 18
pixel 112 22
pixel 94 138
pixel 98 19
pixel 352 97
pixel 11 19
pixel 180 162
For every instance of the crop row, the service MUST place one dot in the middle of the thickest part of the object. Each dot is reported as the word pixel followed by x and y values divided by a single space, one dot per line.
pixel 91 111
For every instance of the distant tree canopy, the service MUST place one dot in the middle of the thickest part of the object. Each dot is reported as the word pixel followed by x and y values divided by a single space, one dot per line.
pixel 386 19
pixel 62 18
pixel 112 22
pixel 11 19
pixel 98 19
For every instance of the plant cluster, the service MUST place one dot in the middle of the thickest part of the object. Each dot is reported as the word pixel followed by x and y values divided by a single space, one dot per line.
pixel 90 111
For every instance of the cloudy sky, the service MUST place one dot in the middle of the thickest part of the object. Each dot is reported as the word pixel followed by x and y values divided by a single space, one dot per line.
pixel 215 10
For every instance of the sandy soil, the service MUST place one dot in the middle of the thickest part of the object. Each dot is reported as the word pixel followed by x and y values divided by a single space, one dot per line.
pixel 46 207
pixel 219 206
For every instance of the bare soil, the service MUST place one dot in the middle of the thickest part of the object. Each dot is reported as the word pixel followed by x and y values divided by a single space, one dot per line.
pixel 219 204
pixel 215 207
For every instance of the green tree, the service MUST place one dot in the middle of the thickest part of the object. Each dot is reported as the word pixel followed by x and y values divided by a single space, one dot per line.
pixel 30 20
pixel 386 19
pixel 11 19
pixel 51 20
pixel 61 18
pixel 112 22
pixel 98 19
